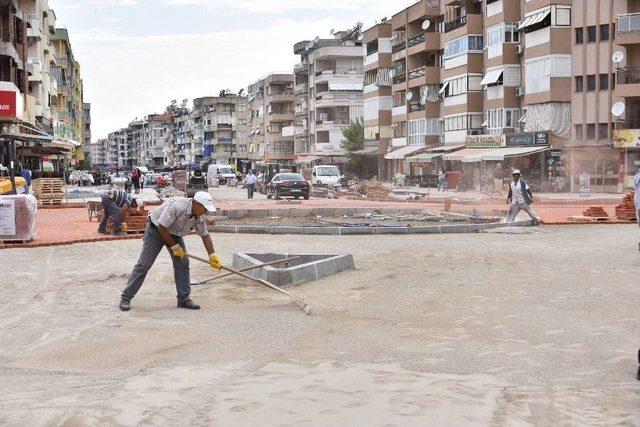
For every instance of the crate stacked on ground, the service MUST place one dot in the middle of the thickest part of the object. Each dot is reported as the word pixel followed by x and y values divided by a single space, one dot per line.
pixel 596 212
pixel 48 191
pixel 627 210
pixel 136 220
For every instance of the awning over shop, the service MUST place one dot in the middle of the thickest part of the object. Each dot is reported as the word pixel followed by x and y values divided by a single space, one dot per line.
pixel 404 152
pixel 500 154
pixel 445 148
pixel 468 155
pixel 491 77
pixel 534 19
pixel 434 153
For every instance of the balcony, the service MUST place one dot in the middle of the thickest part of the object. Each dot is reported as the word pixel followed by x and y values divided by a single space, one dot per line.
pixel 399 77
pixel 330 124
pixel 400 110
pixel 416 106
pixel 417 39
pixel 398 47
pixel 371 59
pixel 418 72
pixel 301 88
pixel 7 49
pixel 335 99
pixel 300 67
pixel 628 29
pixel 300 110
pixel 456 23
pixel 628 82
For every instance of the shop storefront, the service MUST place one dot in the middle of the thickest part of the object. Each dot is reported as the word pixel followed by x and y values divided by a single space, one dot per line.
pixel 627 143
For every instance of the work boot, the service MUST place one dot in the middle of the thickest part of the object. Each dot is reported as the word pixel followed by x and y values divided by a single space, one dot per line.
pixel 188 304
pixel 102 231
pixel 125 304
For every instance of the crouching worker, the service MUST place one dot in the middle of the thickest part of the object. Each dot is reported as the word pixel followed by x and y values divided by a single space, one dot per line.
pixel 166 227
pixel 112 201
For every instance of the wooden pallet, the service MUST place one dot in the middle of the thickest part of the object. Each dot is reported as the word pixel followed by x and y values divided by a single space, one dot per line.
pixel 50 202
pixel 588 218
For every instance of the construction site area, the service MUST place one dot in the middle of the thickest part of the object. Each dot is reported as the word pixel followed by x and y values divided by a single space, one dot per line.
pixel 506 326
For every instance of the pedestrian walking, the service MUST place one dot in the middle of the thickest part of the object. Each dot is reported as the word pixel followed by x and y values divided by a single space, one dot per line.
pixel 166 227
pixel 520 198
pixel 250 181
pixel 135 178
pixel 442 180
pixel 112 201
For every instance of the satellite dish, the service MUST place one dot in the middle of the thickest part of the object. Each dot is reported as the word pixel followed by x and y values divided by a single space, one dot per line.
pixel 618 57
pixel 408 96
pixel 316 40
pixel 426 24
pixel 617 109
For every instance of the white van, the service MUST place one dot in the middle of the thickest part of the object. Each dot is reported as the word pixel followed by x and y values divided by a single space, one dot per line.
pixel 215 171
pixel 328 175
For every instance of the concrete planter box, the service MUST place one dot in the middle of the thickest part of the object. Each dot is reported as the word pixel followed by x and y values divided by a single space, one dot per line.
pixel 305 269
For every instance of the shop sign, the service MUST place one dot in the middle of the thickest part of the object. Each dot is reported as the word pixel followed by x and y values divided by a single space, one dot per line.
pixel 7 217
pixel 526 139
pixel 63 130
pixel 626 138
pixel 483 140
pixel 7 104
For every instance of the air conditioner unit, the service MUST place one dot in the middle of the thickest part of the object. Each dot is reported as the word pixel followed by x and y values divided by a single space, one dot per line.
pixel 519 49
pixel 519 91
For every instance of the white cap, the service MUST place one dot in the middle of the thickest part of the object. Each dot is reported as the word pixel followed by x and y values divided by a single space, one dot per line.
pixel 205 200
pixel 515 171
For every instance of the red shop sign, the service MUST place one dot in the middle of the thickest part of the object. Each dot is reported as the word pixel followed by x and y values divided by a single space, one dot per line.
pixel 7 104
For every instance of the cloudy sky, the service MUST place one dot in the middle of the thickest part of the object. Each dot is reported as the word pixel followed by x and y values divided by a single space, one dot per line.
pixel 138 55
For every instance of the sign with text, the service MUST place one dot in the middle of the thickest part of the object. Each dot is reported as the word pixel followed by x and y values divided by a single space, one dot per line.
pixel 483 140
pixel 626 138
pixel 526 139
pixel 7 217
pixel 7 104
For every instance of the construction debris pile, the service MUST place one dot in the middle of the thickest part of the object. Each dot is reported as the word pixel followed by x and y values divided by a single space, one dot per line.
pixel 626 211
pixel 424 216
pixel 372 189
pixel 596 212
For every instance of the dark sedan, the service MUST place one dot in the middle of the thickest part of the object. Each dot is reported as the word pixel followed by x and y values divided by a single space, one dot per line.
pixel 288 185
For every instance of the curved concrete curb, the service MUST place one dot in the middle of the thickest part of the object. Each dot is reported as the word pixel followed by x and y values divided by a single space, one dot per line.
pixel 344 231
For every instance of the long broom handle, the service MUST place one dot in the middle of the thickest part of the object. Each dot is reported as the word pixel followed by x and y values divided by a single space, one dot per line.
pixel 253 267
pixel 300 301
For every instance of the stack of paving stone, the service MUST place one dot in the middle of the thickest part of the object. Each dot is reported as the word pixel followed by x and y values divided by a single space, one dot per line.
pixel 136 220
pixel 626 211
pixel 596 212
pixel 374 189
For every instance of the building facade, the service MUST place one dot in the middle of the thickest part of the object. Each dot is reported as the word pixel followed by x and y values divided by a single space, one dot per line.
pixel 271 105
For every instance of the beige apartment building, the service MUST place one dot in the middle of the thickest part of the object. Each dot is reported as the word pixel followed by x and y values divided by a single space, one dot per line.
pixel 271 104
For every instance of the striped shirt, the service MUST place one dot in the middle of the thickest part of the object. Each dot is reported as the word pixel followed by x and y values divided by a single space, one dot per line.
pixel 121 198
pixel 175 215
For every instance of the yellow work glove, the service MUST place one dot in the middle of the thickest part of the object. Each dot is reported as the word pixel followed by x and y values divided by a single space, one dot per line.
pixel 177 251
pixel 123 226
pixel 214 262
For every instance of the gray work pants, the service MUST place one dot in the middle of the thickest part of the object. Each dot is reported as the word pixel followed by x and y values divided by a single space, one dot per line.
pixel 152 244
pixel 515 208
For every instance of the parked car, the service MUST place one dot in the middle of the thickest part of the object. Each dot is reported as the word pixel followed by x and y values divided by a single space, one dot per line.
pixel 288 185
pixel 328 175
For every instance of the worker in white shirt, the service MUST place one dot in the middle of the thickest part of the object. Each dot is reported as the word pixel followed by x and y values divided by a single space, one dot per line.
pixel 250 181
pixel 520 198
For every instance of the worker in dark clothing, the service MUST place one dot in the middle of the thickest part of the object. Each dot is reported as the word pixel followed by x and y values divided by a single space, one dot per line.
pixel 112 201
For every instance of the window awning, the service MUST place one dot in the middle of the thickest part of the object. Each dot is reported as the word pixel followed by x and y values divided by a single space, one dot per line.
pixel 523 118
pixel 424 157
pixel 345 86
pixel 492 77
pixel 499 154
pixel 467 155
pixel 445 148
pixel 443 88
pixel 534 19
pixel 403 152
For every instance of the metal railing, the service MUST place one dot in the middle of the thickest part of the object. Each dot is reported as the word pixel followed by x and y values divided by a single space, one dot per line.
pixel 399 78
pixel 398 47
pixel 418 72
pixel 456 23
pixel 417 39
pixel 629 76
pixel 628 22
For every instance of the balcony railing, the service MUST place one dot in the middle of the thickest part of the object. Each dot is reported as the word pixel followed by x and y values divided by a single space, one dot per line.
pixel 629 76
pixel 398 47
pixel 333 122
pixel 417 72
pixel 629 22
pixel 399 78
pixel 417 39
pixel 301 88
pixel 415 106
pixel 456 23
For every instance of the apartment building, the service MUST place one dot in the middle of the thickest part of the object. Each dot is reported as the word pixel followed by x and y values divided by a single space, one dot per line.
pixel 626 142
pixel 98 153
pixel 86 123
pixel 335 77
pixel 271 104
pixel 377 94
pixel 69 102
pixel 224 122
pixel 300 128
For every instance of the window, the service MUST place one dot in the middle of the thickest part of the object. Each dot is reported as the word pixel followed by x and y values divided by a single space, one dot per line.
pixel 502 118
pixel 603 131
pixel 591 131
pixel 604 82
pixel 578 131
pixel 604 32
pixel 579 35
pixel 591 34
pixel 502 33
pixel 463 45
pixel 579 83
pixel 462 122
pixel 591 83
